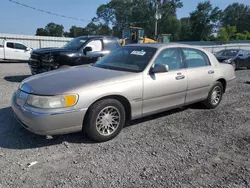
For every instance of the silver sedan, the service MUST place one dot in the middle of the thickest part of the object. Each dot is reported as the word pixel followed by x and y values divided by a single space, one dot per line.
pixel 131 82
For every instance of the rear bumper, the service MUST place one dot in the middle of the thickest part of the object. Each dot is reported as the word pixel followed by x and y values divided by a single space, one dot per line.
pixel 230 84
pixel 49 123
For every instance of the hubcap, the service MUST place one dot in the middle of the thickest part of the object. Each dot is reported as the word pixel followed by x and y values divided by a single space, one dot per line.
pixel 216 95
pixel 108 120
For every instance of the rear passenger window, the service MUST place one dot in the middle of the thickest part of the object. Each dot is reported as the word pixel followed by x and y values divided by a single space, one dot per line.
pixel 195 58
pixel 10 45
pixel 111 44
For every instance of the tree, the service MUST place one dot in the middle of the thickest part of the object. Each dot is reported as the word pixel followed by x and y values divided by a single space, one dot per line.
pixel 121 14
pixel 51 29
pixel 75 31
pixel 203 20
pixel 97 29
pixel 226 33
pixel 185 30
pixel 41 32
pixel 238 15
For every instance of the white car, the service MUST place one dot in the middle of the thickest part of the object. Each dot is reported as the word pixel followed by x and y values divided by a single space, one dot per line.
pixel 11 50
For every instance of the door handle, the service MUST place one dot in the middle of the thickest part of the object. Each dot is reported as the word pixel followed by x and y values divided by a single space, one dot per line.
pixel 180 77
pixel 211 72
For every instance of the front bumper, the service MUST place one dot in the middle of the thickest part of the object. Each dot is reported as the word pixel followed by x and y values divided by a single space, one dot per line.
pixel 48 123
pixel 37 70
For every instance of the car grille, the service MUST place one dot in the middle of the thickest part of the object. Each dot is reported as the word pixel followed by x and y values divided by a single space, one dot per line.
pixel 35 60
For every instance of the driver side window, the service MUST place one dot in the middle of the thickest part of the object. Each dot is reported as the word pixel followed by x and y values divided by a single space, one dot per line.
pixel 170 57
pixel 20 46
pixel 96 45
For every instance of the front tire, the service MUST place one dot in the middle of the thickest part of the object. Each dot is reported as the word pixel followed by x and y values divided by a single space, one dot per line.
pixel 104 120
pixel 214 96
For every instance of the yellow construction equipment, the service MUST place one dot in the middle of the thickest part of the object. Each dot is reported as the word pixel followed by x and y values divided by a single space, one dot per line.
pixel 133 35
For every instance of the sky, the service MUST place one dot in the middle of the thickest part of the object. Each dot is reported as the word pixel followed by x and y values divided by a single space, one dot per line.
pixel 16 19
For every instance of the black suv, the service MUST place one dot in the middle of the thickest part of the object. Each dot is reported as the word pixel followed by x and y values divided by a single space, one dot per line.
pixel 79 51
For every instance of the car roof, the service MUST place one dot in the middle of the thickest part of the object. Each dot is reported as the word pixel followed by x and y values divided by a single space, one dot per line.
pixel 167 45
pixel 98 37
pixel 233 49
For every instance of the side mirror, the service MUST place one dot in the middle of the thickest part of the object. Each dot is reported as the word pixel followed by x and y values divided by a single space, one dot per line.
pixel 28 49
pixel 87 49
pixel 159 68
pixel 240 55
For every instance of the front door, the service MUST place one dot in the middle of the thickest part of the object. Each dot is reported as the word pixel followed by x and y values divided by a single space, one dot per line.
pixel 200 74
pixel 97 50
pixel 245 59
pixel 22 52
pixel 168 89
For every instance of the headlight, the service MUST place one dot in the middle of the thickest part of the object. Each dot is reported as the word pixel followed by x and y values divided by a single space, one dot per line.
pixel 50 102
pixel 48 58
pixel 228 60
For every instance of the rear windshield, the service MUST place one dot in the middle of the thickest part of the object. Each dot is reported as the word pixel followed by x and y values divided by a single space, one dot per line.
pixel 127 58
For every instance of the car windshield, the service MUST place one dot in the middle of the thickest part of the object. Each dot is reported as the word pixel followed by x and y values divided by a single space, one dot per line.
pixel 75 44
pixel 128 58
pixel 229 53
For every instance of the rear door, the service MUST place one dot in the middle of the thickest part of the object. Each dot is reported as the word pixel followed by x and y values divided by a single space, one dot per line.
pixel 200 74
pixel 21 51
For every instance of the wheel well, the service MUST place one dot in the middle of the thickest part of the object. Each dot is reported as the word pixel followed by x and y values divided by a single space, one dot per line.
pixel 123 100
pixel 224 83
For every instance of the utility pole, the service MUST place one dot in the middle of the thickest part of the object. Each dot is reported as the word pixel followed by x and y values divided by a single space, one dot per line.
pixel 156 19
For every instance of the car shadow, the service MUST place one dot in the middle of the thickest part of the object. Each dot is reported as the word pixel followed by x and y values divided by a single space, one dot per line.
pixel 14 136
pixel 19 78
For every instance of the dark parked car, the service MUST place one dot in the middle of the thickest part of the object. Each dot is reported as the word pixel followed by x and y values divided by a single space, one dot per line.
pixel 236 57
pixel 79 51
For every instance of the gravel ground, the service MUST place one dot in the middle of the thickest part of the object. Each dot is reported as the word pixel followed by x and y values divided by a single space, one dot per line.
pixel 189 147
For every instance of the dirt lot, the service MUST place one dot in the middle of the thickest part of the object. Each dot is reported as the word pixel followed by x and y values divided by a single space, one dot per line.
pixel 188 147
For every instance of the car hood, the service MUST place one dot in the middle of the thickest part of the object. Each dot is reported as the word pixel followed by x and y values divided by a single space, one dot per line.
pixel 51 50
pixel 223 58
pixel 69 80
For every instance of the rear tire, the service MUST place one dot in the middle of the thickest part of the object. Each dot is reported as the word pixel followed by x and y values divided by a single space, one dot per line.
pixel 104 120
pixel 214 96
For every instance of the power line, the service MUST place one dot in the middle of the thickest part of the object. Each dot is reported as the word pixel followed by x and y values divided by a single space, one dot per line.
pixel 47 12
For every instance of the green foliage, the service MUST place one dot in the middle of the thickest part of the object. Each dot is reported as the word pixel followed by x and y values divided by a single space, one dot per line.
pixel 111 18
pixel 228 33
pixel 237 14
pixel 203 20
pixel 185 30
pixel 141 13
pixel 75 31
pixel 51 29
